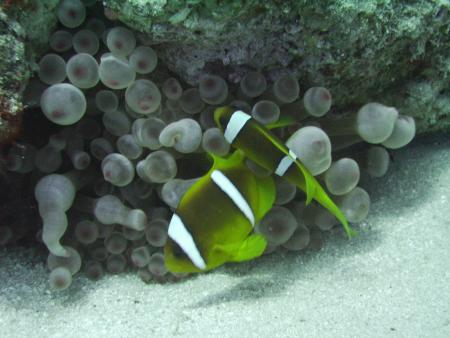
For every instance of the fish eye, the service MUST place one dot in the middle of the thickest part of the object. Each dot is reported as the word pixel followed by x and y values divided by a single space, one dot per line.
pixel 223 121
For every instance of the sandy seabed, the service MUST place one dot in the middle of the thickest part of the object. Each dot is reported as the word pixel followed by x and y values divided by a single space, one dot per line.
pixel 393 280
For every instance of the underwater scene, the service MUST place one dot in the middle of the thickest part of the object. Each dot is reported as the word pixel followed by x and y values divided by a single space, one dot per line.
pixel 201 168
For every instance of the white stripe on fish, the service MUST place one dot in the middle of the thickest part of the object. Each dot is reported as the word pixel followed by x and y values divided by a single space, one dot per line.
pixel 285 163
pixel 235 125
pixel 232 192
pixel 179 233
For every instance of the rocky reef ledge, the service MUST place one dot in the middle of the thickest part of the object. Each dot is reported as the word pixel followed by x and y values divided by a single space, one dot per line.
pixel 394 52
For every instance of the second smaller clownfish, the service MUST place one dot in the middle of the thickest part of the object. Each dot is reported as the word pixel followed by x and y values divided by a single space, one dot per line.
pixel 266 149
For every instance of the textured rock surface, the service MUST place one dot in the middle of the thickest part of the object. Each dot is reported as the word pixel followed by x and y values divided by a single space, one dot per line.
pixel 393 52
pixel 24 29
pixel 13 71
pixel 390 51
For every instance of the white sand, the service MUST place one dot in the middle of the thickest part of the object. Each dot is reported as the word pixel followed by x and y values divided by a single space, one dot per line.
pixel 392 281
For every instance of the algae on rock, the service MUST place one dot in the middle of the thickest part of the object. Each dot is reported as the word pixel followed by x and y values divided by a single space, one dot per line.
pixel 24 30
pixel 375 50
pixel 362 51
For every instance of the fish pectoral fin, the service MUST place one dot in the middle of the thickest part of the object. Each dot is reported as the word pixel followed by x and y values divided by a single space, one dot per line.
pixel 250 248
pixel 266 196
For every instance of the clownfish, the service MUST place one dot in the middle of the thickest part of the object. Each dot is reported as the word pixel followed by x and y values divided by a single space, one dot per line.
pixel 213 223
pixel 266 149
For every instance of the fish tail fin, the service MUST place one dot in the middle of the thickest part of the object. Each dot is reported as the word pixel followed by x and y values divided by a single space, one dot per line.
pixel 315 191
pixel 310 184
pixel 322 197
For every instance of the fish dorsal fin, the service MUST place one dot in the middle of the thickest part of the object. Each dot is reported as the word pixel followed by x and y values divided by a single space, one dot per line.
pixel 283 121
pixel 236 159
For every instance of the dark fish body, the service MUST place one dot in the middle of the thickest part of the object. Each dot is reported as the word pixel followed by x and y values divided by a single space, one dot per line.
pixel 263 147
pixel 215 218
